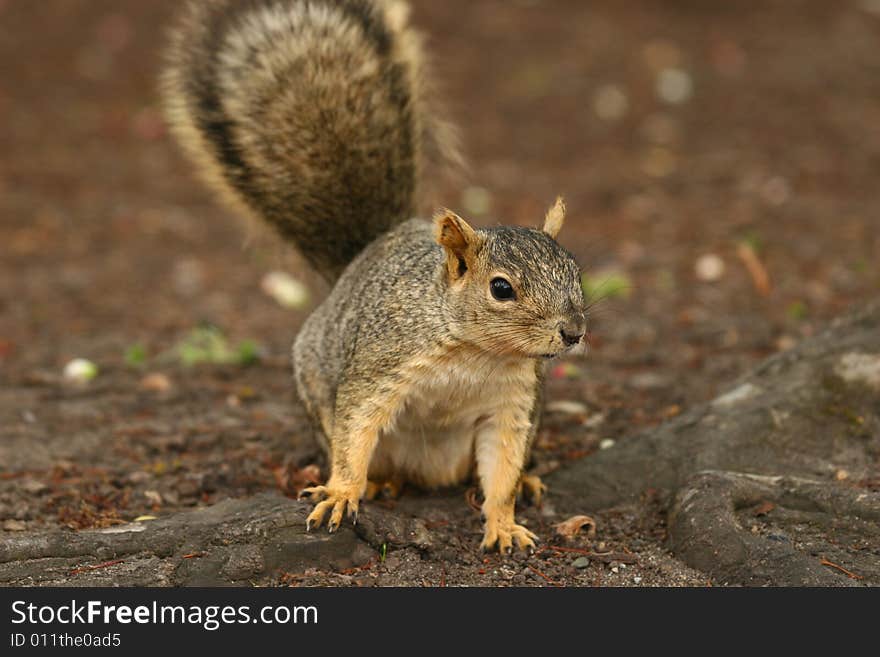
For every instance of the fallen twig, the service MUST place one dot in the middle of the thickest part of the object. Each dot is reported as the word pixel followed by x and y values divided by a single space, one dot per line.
pixel 846 572
pixel 756 269
pixel 604 557
pixel 84 569
pixel 539 573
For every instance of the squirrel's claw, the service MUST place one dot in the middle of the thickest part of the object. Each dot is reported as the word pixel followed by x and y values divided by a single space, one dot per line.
pixel 335 502
pixel 313 493
pixel 505 536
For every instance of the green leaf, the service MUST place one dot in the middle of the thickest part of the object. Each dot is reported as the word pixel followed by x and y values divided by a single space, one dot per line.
pixel 248 352
pixel 606 285
pixel 135 355
pixel 797 310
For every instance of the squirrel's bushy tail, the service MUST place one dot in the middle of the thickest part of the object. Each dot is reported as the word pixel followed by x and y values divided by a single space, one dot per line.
pixel 312 113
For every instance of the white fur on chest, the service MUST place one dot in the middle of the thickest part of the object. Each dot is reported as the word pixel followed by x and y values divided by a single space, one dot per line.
pixel 446 401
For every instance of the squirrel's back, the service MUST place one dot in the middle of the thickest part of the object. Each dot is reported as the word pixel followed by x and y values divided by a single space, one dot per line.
pixel 310 113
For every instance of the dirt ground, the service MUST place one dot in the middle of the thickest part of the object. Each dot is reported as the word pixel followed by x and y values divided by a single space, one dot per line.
pixel 745 132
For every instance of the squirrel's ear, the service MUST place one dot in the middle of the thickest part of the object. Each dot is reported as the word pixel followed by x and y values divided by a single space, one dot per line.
pixel 458 239
pixel 555 217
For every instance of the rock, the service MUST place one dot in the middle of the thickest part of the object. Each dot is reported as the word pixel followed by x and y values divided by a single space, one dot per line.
pixel 649 381
pixel 781 434
pixel 156 382
pixel 709 268
pixel 857 367
pixel 739 394
pixel 581 562
pixel 285 289
pixel 567 407
pixel 674 86
pixel 32 486
pixel 241 541
pixel 80 371
pixel 379 529
pixel 706 530
pixel 244 562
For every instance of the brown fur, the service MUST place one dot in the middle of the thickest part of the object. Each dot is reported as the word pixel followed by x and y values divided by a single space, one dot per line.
pixel 325 142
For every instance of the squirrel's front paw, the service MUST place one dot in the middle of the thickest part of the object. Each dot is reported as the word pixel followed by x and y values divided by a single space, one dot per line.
pixel 503 535
pixel 337 498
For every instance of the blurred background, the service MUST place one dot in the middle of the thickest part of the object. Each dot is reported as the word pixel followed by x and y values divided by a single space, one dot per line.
pixel 720 162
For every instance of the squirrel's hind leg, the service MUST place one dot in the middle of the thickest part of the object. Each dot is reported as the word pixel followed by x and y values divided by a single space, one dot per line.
pixel 389 489
pixel 531 488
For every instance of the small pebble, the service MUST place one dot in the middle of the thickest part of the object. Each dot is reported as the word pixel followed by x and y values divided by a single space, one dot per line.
pixel 606 443
pixel 785 342
pixel 80 370
pixel 593 421
pixel 581 562
pixel 709 268
pixel 156 382
pixel 567 407
pixel 139 477
pixel 610 103
pixel 32 486
pixel 285 289
pixel 674 86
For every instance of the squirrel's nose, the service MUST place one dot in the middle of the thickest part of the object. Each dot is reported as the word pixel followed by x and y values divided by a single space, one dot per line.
pixel 570 338
pixel 571 332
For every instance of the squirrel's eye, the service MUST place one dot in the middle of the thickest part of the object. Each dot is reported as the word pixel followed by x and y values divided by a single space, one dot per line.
pixel 502 289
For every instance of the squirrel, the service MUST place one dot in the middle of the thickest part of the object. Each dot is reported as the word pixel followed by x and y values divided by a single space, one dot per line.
pixel 425 363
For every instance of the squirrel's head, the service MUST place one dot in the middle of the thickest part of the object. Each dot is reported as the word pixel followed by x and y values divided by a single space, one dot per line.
pixel 512 290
